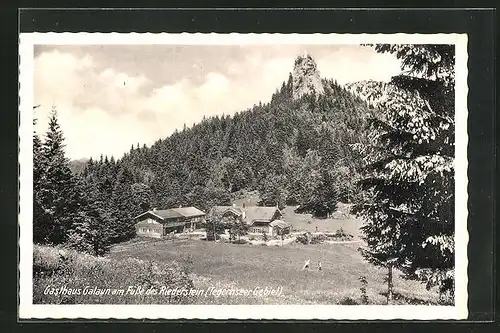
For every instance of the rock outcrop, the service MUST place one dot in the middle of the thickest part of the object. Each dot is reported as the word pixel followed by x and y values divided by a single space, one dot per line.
pixel 306 77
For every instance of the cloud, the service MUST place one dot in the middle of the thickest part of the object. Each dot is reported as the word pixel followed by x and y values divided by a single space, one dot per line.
pixel 216 85
pixel 59 76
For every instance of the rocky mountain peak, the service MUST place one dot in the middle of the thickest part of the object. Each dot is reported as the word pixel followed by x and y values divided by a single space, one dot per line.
pixel 306 77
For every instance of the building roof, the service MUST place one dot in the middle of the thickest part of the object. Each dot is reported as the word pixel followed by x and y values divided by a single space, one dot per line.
pixel 167 214
pixel 279 224
pixel 174 213
pixel 189 211
pixel 257 213
pixel 222 209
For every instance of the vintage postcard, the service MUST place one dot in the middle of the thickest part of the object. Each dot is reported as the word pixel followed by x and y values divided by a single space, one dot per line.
pixel 243 176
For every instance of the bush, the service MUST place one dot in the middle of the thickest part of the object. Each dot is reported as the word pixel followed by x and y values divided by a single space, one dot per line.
pixel 240 241
pixel 318 239
pixel 70 271
pixel 363 288
pixel 308 238
pixel 348 301
pixel 303 238
pixel 340 235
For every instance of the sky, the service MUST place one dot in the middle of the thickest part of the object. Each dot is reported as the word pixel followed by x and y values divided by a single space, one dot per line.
pixel 109 97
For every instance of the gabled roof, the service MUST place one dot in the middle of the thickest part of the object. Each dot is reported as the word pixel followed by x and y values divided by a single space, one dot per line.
pixel 189 211
pixel 222 209
pixel 279 224
pixel 257 213
pixel 174 213
pixel 155 213
pixel 167 214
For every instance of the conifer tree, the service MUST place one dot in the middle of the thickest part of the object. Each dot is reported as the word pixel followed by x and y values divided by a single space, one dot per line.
pixel 90 230
pixel 122 203
pixel 408 200
pixel 56 192
pixel 40 217
pixel 142 198
pixel 273 191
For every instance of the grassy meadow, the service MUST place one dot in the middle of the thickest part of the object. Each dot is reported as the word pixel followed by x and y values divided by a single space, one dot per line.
pixel 233 266
pixel 201 265
pixel 305 222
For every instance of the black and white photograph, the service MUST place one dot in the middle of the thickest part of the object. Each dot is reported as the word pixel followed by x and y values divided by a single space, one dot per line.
pixel 250 176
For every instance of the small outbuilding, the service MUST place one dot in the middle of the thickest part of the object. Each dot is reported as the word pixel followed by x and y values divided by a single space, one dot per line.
pixel 280 227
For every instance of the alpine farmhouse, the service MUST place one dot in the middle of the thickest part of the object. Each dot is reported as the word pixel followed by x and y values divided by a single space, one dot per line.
pixel 158 223
pixel 259 219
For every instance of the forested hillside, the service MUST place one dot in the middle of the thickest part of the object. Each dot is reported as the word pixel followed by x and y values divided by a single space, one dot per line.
pixel 293 151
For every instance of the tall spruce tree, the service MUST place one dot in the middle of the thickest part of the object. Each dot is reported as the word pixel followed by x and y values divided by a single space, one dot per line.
pixel 408 183
pixel 40 216
pixel 90 229
pixel 55 191
pixel 122 203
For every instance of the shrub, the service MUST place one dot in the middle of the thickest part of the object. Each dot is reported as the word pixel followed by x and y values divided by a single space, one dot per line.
pixel 348 301
pixel 340 235
pixel 72 271
pixel 303 239
pixel 318 239
pixel 308 238
pixel 240 241
pixel 364 285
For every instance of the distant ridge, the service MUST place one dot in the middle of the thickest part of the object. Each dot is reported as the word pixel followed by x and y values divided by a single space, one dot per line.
pixel 77 166
pixel 370 91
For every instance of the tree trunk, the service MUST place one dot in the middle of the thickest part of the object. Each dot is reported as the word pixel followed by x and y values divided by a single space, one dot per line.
pixel 389 285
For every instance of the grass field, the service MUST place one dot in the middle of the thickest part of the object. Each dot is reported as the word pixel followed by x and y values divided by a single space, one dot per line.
pixel 306 222
pixel 222 265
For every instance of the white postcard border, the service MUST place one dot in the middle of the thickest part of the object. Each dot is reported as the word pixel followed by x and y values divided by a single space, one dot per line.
pixel 28 310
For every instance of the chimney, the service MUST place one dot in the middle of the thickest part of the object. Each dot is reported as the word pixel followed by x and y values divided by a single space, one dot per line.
pixel 234 205
pixel 154 209
pixel 244 205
